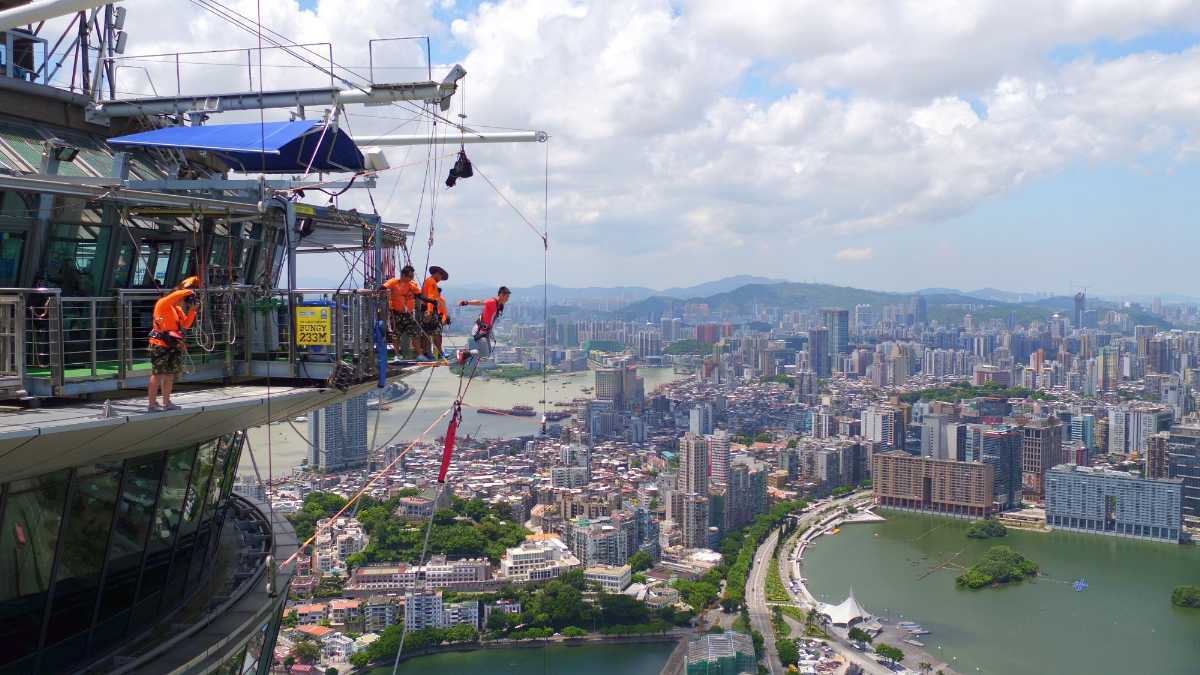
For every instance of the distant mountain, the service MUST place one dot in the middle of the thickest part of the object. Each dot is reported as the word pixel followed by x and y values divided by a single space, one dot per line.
pixel 999 295
pixel 719 286
pixel 938 291
pixel 948 307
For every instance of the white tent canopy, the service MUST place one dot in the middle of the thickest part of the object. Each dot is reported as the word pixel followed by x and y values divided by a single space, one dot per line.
pixel 846 613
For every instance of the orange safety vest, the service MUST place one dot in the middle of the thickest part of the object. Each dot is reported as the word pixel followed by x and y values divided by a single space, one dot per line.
pixel 169 317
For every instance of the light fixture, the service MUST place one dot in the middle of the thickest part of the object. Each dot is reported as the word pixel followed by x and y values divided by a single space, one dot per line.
pixel 60 150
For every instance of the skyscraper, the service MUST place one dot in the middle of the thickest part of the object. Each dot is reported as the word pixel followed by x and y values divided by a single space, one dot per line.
pixel 933 437
pixel 1080 308
pixel 610 385
pixel 818 351
pixel 693 464
pixel 1041 448
pixel 920 310
pixel 338 435
pixel 718 455
pixel 837 322
pixel 700 419
pixel 1156 455
pixel 884 424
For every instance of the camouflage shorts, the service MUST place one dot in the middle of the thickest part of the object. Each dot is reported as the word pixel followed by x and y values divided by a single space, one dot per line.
pixel 404 325
pixel 166 360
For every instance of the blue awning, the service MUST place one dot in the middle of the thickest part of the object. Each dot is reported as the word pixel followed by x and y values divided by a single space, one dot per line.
pixel 274 147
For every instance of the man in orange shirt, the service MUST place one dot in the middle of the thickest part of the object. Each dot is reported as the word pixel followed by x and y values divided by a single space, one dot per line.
pixel 402 293
pixel 433 312
pixel 172 314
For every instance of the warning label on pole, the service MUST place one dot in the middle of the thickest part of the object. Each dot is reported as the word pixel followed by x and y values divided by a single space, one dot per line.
pixel 314 326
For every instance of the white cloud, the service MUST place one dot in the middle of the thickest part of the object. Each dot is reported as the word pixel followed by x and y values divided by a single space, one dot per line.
pixel 854 254
pixel 671 152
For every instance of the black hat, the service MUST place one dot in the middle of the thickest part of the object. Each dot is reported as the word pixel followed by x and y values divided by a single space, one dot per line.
pixel 437 270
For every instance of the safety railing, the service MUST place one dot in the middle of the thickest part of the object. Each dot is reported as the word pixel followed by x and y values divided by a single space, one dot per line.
pixel 12 342
pixel 238 332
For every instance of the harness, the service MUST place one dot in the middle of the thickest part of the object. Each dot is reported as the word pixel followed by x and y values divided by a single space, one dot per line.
pixel 484 331
pixel 169 337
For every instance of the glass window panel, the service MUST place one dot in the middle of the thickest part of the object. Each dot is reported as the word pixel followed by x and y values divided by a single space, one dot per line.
pixel 218 481
pixel 161 263
pixel 81 560
pixel 199 555
pixel 124 265
pixel 11 246
pixel 193 511
pixel 193 506
pixel 28 538
pixel 163 531
pixel 77 254
pixel 131 529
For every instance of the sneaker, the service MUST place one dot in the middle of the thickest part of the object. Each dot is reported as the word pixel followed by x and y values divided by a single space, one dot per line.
pixel 461 357
pixel 153 407
pixel 170 406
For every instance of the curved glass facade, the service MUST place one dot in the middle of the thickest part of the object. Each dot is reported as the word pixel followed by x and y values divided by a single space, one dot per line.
pixel 91 556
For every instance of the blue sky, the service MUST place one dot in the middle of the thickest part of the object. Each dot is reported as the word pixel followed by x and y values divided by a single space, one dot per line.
pixel 1023 145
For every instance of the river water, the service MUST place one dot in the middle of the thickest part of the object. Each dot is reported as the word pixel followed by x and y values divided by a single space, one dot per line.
pixel 618 659
pixel 288 448
pixel 1123 623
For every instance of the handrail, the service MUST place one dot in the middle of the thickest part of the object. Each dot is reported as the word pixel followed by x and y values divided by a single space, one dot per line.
pixel 67 339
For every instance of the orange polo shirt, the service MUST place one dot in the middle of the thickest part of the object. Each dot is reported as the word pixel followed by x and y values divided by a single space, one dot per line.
pixel 169 316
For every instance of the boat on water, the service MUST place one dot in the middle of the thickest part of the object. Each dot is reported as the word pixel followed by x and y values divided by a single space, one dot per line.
pixel 1080 585
pixel 915 643
pixel 515 411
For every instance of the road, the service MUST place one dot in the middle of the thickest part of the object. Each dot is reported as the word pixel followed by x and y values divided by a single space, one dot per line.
pixel 756 595
pixel 756 601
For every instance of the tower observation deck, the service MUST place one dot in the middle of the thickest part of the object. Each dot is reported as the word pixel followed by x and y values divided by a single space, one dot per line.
pixel 122 546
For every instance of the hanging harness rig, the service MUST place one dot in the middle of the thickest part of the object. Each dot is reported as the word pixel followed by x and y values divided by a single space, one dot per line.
pixel 448 446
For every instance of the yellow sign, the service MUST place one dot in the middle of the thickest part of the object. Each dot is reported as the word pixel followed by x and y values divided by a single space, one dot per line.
pixel 314 326
pixel 304 210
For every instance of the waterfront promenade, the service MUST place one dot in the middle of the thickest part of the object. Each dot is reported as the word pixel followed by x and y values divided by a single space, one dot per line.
pixel 791 570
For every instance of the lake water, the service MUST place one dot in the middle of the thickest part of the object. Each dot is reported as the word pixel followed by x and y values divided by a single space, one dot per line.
pixel 1123 623
pixel 288 448
pixel 618 659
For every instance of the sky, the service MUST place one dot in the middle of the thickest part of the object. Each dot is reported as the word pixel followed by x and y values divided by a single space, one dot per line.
pixel 1023 145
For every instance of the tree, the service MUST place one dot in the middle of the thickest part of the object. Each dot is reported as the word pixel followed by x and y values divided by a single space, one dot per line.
pixel 892 654
pixel 1186 596
pixel 573 631
pixel 288 662
pixel 758 640
pixel 305 651
pixel 360 659
pixel 331 671
pixel 640 561
pixel 617 609
pixel 789 653
pixel 925 667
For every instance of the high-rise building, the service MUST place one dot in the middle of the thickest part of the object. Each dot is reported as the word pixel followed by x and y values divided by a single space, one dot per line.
pixel 1157 450
pixel 884 424
pixel 999 447
pixel 920 310
pixel 933 437
pixel 837 322
pixel 818 351
pixel 693 522
pixel 1080 308
pixel 423 610
pixel 693 464
pixel 610 385
pixel 1107 369
pixel 1116 503
pixel 700 419
pixel 338 435
pixel 905 481
pixel 1041 448
pixel 1183 462
pixel 718 443
pixel 1083 429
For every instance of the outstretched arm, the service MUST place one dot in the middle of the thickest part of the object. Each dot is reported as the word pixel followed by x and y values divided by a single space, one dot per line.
pixel 464 303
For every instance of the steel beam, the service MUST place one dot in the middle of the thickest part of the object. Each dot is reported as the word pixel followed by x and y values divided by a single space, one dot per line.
pixel 452 138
